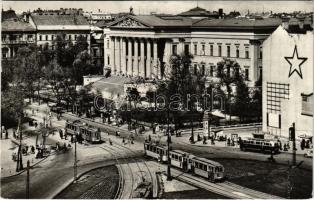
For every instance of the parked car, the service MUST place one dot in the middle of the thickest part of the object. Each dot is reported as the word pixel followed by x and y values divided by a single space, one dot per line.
pixel 309 154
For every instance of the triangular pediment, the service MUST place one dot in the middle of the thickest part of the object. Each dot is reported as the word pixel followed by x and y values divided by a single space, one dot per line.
pixel 128 22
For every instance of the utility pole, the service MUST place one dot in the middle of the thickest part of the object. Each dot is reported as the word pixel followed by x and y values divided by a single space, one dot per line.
pixel 75 159
pixel 27 180
pixel 292 138
pixel 169 178
pixel 19 163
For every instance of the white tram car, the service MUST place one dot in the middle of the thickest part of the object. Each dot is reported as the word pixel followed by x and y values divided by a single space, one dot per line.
pixel 156 151
pixel 211 170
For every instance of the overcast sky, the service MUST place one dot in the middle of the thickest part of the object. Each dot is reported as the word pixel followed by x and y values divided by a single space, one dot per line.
pixel 170 7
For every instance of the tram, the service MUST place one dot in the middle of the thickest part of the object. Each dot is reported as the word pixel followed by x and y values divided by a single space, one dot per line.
pixel 156 151
pixel 262 145
pixel 211 170
pixel 86 132
pixel 181 159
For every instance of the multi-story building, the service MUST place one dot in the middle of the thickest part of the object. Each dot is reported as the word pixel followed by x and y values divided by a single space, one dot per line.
pixel 70 27
pixel 15 33
pixel 142 45
pixel 97 46
pixel 288 81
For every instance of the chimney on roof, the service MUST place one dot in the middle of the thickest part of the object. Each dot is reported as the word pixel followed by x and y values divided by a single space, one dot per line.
pixel 131 11
pixel 220 13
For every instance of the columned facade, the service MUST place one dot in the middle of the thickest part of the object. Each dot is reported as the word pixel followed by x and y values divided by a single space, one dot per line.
pixel 133 56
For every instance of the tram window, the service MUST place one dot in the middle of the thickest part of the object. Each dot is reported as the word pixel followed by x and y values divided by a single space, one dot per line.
pixel 205 167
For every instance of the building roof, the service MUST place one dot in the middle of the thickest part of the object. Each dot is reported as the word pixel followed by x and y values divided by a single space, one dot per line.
pixel 197 11
pixel 152 21
pixel 16 25
pixel 59 20
pixel 8 14
pixel 243 23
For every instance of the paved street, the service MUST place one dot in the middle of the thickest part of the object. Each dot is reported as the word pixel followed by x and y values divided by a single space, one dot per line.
pixel 57 170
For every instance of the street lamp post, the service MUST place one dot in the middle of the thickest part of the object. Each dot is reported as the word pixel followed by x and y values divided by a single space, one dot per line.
pixel 169 178
pixel 75 158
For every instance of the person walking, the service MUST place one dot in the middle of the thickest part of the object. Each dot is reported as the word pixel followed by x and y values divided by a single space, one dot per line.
pixel 6 134
pixel 302 144
pixel 60 133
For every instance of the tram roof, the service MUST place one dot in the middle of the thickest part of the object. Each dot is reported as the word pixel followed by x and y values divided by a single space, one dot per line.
pixel 207 161
pixel 180 152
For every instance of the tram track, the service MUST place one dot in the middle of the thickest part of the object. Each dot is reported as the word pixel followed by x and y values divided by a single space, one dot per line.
pixel 227 189
pixel 123 174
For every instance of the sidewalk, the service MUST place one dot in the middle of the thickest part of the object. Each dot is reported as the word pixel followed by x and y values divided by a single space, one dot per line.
pixel 9 146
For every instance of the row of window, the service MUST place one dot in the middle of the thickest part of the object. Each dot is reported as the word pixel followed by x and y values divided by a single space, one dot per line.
pixel 53 37
pixel 15 37
pixel 211 50
pixel 202 69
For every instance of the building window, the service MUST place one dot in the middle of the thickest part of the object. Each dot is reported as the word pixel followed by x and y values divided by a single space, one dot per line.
pixel 307 104
pixel 46 37
pixel 108 43
pixel 260 73
pixel 108 58
pixel 70 37
pixel 174 49
pixel 195 69
pixel 29 37
pixel 186 49
pixel 95 52
pixel 40 38
pixel 195 49
pixel 75 37
pixel 237 53
pixel 52 37
pixel 211 71
pixel 203 69
pixel 247 55
pixel 219 50
pixel 211 50
pixel 203 49
pixel 260 52
pixel 246 74
pixel 228 51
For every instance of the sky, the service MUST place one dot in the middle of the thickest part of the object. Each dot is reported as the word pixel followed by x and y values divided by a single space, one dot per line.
pixel 169 7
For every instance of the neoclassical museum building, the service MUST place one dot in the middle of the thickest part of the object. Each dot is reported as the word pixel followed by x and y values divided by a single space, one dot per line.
pixel 141 46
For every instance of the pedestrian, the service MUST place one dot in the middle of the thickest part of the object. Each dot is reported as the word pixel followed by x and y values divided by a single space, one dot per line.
pixel 50 123
pixel 212 141
pixel 14 135
pixel 204 140
pixel 32 149
pixel 72 140
pixel 123 140
pixel 228 141
pixel 302 144
pixel 149 138
pixel 110 142
pixel 285 147
pixel 6 134
pixel 65 135
pixel 35 124
pixel 199 137
pixel 60 133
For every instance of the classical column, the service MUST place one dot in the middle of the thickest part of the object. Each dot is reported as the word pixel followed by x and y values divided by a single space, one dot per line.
pixel 112 57
pixel 253 53
pixel 135 63
pixel 148 59
pixel 117 55
pixel 156 68
pixel 129 71
pixel 142 65
pixel 123 56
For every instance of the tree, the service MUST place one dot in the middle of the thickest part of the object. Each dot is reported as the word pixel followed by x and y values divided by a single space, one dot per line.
pixel 181 81
pixel 242 99
pixel 228 71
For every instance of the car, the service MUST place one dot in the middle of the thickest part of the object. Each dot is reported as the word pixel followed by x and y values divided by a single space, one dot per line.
pixel 309 154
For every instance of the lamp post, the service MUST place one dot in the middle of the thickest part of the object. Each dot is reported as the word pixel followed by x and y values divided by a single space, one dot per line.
pixel 169 178
pixel 75 158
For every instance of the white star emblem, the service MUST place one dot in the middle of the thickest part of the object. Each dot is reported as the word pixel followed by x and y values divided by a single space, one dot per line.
pixel 295 63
